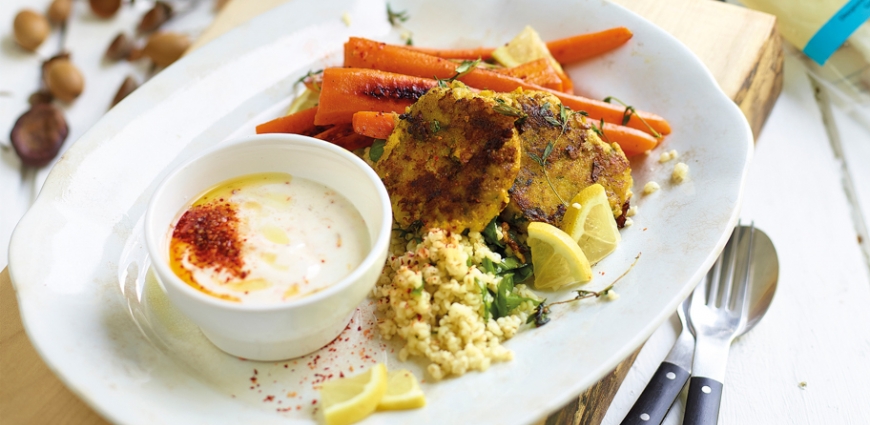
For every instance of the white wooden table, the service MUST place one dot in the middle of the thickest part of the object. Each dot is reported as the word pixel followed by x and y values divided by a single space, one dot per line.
pixel 808 189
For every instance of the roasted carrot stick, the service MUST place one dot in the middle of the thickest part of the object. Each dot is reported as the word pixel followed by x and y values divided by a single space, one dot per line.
pixel 539 72
pixel 378 125
pixel 344 136
pixel 347 90
pixel 301 122
pixel 632 141
pixel 362 53
pixel 584 46
pixel 564 50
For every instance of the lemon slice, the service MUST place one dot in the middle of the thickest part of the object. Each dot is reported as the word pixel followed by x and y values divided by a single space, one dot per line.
pixel 349 400
pixel 525 47
pixel 403 392
pixel 592 224
pixel 557 259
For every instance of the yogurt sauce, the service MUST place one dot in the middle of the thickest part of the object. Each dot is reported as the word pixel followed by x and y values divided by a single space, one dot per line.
pixel 267 238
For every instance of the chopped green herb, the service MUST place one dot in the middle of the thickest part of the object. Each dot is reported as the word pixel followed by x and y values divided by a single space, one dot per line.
pixel 465 67
pixel 629 111
pixel 396 17
pixel 418 290
pixel 377 150
pixel 490 234
pixel 505 109
pixel 523 273
pixel 488 265
pixel 409 42
pixel 468 262
pixel 435 126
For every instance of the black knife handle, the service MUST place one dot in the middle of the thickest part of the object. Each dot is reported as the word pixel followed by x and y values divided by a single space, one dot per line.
pixel 658 396
pixel 702 407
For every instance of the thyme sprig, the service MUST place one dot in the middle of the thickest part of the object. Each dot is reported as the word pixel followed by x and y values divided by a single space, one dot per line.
pixel 462 70
pixel 396 18
pixel 565 113
pixel 309 74
pixel 599 130
pixel 540 316
pixel 629 111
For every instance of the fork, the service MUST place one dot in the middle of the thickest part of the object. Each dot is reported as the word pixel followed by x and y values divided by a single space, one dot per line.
pixel 718 314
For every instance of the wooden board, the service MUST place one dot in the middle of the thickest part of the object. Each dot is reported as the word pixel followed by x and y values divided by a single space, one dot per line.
pixel 739 46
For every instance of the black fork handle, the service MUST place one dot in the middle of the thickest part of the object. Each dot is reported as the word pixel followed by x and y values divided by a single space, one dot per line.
pixel 702 407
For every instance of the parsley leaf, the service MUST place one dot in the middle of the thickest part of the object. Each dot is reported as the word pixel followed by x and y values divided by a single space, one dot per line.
pixel 396 17
pixel 490 234
pixel 377 150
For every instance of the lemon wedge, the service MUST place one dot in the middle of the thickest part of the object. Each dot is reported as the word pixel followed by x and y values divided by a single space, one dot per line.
pixel 403 392
pixel 557 259
pixel 525 47
pixel 589 221
pixel 308 99
pixel 349 400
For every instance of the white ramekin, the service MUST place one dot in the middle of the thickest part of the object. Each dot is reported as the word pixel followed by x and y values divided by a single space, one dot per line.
pixel 296 327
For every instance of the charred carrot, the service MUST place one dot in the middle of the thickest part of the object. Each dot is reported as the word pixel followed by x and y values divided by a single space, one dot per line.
pixel 346 91
pixel 363 53
pixel 564 50
pixel 539 72
pixel 584 46
pixel 344 136
pixel 632 141
pixel 377 125
pixel 301 122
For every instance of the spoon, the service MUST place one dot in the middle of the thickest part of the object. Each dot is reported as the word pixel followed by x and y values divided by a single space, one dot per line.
pixel 664 387
pixel 721 310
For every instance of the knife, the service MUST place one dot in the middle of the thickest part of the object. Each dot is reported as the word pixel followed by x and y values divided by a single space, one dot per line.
pixel 668 380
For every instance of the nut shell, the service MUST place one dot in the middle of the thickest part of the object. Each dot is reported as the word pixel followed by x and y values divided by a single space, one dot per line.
pixel 64 80
pixel 154 18
pixel 38 134
pixel 30 29
pixel 105 8
pixel 127 86
pixel 164 48
pixel 120 48
pixel 59 10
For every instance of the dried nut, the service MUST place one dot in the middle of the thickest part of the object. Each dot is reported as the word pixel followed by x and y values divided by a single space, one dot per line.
pixel 135 55
pixel 164 48
pixel 120 48
pixel 47 63
pixel 41 96
pixel 64 80
pixel 58 11
pixel 38 134
pixel 126 88
pixel 31 29
pixel 154 18
pixel 105 8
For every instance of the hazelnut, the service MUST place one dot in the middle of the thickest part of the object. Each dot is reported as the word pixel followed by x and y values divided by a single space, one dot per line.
pixel 164 48
pixel 38 134
pixel 126 88
pixel 154 18
pixel 105 8
pixel 64 80
pixel 31 29
pixel 120 48
pixel 59 10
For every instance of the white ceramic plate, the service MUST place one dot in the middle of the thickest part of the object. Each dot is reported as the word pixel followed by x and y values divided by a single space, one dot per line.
pixel 129 354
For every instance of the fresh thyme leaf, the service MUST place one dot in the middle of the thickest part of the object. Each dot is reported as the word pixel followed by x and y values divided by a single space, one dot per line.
pixel 307 75
pixel 465 67
pixel 584 113
pixel 435 126
pixel 536 158
pixel 409 42
pixel 441 83
pixel 377 150
pixel 552 120
pixel 626 115
pixel 396 17
pixel 629 111
pixel 563 114
pixel 608 99
pixel 505 109
pixel 541 316
pixel 548 150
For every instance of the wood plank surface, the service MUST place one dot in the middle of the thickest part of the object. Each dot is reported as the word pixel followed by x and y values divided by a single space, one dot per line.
pixel 739 46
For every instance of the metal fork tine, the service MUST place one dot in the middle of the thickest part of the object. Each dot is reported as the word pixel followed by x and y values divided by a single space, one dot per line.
pixel 742 287
pixel 731 265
